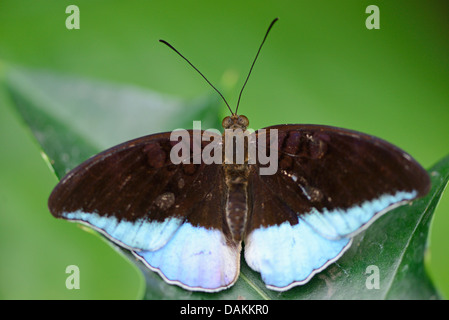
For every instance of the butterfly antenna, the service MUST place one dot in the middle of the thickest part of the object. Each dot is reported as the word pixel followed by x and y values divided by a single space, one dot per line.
pixel 266 34
pixel 171 47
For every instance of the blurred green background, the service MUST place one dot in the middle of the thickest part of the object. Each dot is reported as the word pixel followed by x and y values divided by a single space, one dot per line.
pixel 320 65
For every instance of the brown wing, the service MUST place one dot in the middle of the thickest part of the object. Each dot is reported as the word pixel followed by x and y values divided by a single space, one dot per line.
pixel 324 170
pixel 329 184
pixel 136 196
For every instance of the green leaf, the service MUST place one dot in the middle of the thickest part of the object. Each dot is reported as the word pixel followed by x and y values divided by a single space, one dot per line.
pixel 75 118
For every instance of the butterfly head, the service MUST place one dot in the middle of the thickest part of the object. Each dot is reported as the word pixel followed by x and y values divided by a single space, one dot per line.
pixel 235 122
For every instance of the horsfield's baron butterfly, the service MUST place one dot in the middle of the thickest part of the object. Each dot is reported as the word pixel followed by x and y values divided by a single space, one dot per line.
pixel 187 220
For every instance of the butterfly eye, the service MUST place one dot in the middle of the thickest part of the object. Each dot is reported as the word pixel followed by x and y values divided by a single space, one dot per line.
pixel 227 122
pixel 243 121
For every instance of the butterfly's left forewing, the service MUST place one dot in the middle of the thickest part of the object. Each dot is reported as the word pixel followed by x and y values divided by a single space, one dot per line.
pixel 330 184
pixel 170 216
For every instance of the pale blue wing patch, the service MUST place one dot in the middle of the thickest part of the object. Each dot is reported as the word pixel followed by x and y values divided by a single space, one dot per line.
pixel 138 235
pixel 197 259
pixel 289 255
pixel 339 223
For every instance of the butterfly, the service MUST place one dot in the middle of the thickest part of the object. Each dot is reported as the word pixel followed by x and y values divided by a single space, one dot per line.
pixel 188 221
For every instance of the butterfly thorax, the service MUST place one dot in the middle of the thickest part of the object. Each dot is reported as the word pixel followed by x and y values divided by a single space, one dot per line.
pixel 236 178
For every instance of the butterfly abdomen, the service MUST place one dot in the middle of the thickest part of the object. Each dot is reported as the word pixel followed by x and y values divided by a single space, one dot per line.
pixel 236 179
